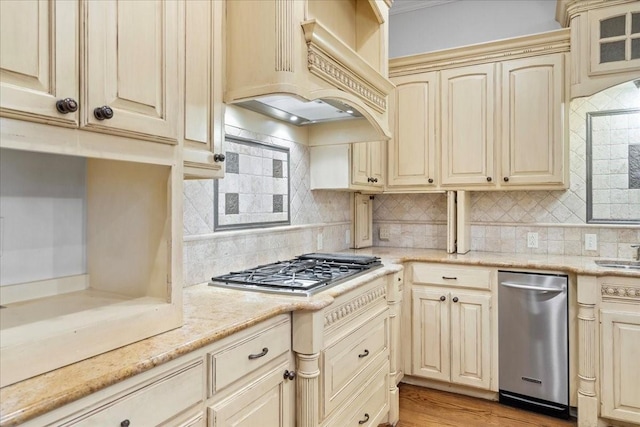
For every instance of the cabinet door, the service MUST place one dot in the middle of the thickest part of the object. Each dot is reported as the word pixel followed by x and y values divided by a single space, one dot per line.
pixel 620 371
pixel 269 401
pixel 467 117
pixel 39 59
pixel 131 58
pixel 203 108
pixel 533 120
pixel 366 164
pixel 360 164
pixel 430 334
pixel 470 339
pixel 363 221
pixel 412 148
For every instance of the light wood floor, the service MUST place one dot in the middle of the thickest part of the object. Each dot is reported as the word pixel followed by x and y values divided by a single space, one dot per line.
pixel 422 407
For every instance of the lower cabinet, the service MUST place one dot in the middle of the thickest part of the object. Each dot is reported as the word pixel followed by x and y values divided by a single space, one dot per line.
pixel 619 367
pixel 451 325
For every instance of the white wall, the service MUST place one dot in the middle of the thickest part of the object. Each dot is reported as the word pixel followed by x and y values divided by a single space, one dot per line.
pixel 43 206
pixel 467 22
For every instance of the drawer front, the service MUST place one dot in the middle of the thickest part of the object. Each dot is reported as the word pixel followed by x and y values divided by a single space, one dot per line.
pixel 449 275
pixel 347 364
pixel 154 403
pixel 370 406
pixel 250 354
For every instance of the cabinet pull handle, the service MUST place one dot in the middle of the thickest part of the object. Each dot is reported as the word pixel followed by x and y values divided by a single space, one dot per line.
pixel 289 375
pixel 449 278
pixel 366 418
pixel 455 299
pixel 365 354
pixel 103 113
pixel 442 298
pixel 125 423
pixel 259 355
pixel 67 105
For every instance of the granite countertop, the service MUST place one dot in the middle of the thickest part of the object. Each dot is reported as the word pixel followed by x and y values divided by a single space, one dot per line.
pixel 211 314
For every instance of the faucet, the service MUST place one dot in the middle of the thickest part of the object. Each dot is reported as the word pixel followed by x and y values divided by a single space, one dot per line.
pixel 637 248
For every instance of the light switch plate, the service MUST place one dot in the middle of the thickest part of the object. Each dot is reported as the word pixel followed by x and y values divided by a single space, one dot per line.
pixel 532 240
pixel 590 242
pixel 320 242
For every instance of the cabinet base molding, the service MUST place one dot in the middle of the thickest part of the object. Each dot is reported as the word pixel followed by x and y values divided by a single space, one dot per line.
pixel 451 388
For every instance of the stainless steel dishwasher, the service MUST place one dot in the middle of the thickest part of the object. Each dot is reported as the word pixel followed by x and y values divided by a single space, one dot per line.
pixel 533 342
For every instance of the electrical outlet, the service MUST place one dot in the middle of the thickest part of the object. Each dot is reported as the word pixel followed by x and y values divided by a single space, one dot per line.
pixel 591 242
pixel 347 237
pixel 384 233
pixel 1 234
pixel 532 240
pixel 319 245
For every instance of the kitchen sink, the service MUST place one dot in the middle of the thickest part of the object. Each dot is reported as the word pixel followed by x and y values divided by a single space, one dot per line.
pixel 615 263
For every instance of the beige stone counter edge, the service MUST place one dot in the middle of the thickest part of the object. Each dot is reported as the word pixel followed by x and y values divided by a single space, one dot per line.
pixel 210 314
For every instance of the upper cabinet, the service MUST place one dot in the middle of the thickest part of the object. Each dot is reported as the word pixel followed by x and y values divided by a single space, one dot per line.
pixel 334 50
pixel 130 68
pixel 502 109
pixel 39 65
pixel 412 150
pixel 203 86
pixel 127 73
pixel 467 120
pixel 605 40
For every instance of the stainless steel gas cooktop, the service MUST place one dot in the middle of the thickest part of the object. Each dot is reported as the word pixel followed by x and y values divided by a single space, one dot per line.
pixel 304 275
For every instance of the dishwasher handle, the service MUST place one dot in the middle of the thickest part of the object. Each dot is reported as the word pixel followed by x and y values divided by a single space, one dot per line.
pixel 530 288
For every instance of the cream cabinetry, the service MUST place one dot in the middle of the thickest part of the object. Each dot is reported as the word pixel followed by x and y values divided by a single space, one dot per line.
pixel 605 40
pixel 343 359
pixel 467 125
pixel 203 87
pixel 620 346
pixel 130 68
pixel 452 325
pixel 126 72
pixel 502 107
pixel 39 62
pixel 357 167
pixel 412 150
pixel 246 379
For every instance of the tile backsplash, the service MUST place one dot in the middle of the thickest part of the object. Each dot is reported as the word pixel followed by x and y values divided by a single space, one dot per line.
pixel 501 220
pixel 312 212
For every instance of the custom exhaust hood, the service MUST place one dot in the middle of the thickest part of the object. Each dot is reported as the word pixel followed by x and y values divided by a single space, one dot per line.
pixel 319 63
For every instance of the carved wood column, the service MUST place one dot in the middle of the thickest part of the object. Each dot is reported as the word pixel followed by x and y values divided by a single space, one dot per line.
pixel 394 301
pixel 307 377
pixel 587 351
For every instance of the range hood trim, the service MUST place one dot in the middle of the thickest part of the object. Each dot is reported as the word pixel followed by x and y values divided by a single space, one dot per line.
pixel 326 56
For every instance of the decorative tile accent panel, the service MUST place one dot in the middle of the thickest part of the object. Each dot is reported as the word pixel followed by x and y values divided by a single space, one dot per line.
pixel 208 254
pixel 634 167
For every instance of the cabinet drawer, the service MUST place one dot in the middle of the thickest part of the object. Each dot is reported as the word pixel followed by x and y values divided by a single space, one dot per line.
pixel 153 403
pixel 249 354
pixel 463 276
pixel 370 405
pixel 348 363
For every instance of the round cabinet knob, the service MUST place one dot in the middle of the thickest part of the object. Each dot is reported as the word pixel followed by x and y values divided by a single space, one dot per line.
pixel 218 157
pixel 375 179
pixel 506 179
pixel 489 179
pixel 455 299
pixel 103 113
pixel 442 298
pixel 289 375
pixel 430 180
pixel 125 423
pixel 67 105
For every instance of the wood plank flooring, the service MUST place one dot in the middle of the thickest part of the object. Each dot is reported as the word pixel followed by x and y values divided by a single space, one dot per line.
pixel 422 407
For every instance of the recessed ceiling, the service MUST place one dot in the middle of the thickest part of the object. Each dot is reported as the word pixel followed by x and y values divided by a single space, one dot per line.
pixel 403 6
